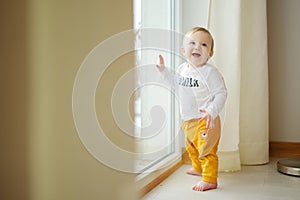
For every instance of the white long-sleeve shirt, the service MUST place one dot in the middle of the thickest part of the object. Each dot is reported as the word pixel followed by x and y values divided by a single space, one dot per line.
pixel 198 88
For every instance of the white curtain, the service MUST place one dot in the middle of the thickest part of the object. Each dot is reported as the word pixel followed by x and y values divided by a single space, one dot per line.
pixel 239 28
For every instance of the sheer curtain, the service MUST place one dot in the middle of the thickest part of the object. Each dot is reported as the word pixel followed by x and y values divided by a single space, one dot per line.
pixel 239 28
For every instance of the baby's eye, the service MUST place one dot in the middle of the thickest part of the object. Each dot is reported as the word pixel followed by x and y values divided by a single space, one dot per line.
pixel 204 44
pixel 193 43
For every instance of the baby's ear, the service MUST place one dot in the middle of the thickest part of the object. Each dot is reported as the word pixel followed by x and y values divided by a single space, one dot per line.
pixel 182 50
pixel 211 53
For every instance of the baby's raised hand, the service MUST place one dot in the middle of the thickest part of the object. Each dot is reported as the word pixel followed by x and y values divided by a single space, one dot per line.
pixel 160 63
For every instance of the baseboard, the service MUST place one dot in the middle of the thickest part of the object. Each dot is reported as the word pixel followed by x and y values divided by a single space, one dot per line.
pixel 160 178
pixel 284 149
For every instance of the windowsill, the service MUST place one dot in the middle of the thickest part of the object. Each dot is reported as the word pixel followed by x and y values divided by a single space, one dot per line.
pixel 152 177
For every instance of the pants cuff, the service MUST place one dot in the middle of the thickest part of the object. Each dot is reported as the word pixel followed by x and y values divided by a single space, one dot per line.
pixel 209 179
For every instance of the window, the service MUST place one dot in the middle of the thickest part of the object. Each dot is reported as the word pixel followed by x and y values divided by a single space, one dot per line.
pixel 156 24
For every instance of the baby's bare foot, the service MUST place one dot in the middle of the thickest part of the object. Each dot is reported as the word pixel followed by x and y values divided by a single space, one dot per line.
pixel 192 172
pixel 203 186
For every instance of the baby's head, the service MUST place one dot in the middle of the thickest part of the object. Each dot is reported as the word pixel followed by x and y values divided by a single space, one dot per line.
pixel 199 29
pixel 198 45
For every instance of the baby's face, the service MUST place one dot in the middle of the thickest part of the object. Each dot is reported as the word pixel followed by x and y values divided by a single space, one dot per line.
pixel 197 48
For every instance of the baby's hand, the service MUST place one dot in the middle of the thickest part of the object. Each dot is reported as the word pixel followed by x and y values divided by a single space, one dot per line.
pixel 209 119
pixel 160 63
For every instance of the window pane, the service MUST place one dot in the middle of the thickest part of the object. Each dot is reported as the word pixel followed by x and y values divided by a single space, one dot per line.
pixel 151 16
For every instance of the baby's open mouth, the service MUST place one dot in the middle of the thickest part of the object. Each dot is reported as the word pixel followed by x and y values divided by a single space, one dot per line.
pixel 196 54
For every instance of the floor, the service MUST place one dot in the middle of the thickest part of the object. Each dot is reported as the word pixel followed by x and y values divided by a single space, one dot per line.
pixel 252 182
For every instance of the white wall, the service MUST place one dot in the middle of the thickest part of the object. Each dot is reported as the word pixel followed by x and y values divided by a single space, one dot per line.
pixel 194 13
pixel 284 69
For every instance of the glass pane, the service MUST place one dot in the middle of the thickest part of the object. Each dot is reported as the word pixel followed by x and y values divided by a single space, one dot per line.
pixel 154 104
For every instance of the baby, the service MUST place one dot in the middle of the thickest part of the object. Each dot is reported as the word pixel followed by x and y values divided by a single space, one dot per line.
pixel 202 95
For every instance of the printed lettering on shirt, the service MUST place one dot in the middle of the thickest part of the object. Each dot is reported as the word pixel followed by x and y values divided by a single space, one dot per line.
pixel 188 82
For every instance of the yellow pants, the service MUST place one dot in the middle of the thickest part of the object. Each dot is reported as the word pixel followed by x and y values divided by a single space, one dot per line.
pixel 202 146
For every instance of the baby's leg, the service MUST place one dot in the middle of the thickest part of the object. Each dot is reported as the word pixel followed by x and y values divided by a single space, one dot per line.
pixel 209 172
pixel 190 136
pixel 196 170
pixel 209 161
pixel 193 172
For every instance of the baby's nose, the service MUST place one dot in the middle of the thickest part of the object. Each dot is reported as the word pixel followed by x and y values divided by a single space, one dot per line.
pixel 197 46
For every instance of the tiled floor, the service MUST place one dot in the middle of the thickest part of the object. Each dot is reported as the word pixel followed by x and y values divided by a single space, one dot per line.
pixel 252 182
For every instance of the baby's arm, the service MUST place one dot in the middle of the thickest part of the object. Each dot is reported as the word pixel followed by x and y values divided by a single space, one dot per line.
pixel 169 77
pixel 218 91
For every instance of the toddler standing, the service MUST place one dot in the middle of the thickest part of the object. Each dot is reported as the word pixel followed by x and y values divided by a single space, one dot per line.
pixel 202 95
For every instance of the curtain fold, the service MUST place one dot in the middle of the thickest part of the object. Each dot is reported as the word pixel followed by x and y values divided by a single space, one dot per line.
pixel 239 28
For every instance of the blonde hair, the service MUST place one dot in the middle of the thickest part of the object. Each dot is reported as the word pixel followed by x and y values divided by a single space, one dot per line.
pixel 200 29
